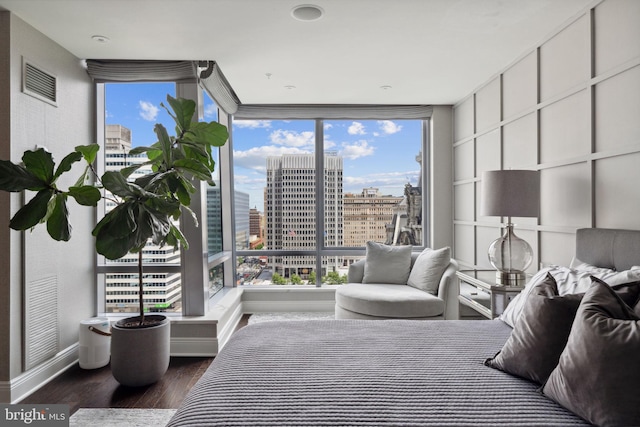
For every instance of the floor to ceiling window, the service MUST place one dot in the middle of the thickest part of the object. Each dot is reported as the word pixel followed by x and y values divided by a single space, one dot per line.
pixel 131 112
pixel 307 227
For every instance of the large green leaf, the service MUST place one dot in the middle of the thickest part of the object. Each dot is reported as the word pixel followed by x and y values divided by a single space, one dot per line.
pixel 118 185
pixel 183 110
pixel 139 150
pixel 116 232
pixel 66 163
pixel 89 152
pixel 58 223
pixel 209 133
pixel 40 163
pixel 17 178
pixel 32 213
pixel 193 167
pixel 85 195
pixel 175 236
pixel 165 143
pixel 121 221
pixel 162 205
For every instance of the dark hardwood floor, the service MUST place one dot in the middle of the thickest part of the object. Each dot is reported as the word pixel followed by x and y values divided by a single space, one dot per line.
pixel 96 388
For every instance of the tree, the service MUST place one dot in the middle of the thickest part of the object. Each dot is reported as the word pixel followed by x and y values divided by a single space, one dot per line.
pixel 312 278
pixel 296 280
pixel 277 279
pixel 334 278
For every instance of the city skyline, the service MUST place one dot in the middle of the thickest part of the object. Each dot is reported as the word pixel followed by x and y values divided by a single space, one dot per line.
pixel 377 153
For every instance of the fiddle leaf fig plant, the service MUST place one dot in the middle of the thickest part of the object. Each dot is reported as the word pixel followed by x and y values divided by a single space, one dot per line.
pixel 146 207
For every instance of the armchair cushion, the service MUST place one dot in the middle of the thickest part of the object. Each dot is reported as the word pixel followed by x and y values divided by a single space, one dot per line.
pixel 428 269
pixel 389 301
pixel 387 264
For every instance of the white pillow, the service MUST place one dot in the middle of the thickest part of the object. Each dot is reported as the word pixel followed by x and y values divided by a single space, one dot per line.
pixel 387 264
pixel 428 269
pixel 569 281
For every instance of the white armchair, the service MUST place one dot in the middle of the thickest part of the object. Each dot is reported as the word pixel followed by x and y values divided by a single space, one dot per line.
pixel 357 300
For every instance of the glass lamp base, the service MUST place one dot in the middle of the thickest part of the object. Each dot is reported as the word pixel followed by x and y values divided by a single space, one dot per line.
pixel 505 278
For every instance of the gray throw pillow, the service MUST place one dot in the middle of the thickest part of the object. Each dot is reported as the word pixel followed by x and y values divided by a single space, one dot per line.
pixel 597 376
pixel 540 333
pixel 387 264
pixel 428 269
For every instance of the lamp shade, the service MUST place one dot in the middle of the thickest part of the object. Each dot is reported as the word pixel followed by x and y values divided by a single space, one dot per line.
pixel 510 193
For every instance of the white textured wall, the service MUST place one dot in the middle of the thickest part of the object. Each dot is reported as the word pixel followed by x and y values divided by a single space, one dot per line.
pixel 570 109
pixel 59 129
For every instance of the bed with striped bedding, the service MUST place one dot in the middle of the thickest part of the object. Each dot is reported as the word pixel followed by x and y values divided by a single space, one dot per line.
pixel 366 373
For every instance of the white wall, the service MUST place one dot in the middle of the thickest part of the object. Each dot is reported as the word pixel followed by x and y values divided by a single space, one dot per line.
pixel 32 257
pixel 569 108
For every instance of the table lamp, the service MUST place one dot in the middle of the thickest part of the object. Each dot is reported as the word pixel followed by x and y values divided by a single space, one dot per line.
pixel 510 193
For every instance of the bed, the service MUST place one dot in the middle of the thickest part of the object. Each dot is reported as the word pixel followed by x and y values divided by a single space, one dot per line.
pixel 376 373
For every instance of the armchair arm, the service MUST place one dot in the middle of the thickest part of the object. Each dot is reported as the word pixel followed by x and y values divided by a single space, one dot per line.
pixel 448 291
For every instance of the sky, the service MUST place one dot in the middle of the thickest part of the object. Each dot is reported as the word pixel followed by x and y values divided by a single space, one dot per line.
pixel 376 153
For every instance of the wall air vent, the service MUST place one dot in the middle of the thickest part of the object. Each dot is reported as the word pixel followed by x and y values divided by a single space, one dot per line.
pixel 39 84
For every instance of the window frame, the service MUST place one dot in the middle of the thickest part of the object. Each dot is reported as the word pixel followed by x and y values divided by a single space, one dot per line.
pixel 322 250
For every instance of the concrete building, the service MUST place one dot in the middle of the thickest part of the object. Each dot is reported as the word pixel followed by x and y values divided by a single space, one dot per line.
pixel 366 216
pixel 291 211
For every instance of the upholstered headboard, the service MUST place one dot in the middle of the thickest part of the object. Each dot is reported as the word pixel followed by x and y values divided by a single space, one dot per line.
pixel 610 248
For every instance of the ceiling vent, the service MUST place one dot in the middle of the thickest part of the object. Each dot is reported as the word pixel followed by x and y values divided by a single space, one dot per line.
pixel 39 83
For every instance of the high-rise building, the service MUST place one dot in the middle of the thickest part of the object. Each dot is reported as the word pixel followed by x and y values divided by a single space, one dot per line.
pixel 214 220
pixel 162 291
pixel 366 216
pixel 291 211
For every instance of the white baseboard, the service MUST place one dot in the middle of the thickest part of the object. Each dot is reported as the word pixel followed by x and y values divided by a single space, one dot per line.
pixel 26 383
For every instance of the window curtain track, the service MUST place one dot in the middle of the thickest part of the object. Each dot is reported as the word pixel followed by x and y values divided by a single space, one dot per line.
pixel 333 112
pixel 220 90
pixel 113 71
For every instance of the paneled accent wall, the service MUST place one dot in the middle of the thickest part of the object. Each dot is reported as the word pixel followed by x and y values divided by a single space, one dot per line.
pixel 570 108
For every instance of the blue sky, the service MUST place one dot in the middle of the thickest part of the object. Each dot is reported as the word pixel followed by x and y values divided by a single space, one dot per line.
pixel 376 153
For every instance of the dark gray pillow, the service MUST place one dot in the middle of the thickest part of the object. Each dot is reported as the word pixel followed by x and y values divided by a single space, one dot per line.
pixel 597 376
pixel 540 334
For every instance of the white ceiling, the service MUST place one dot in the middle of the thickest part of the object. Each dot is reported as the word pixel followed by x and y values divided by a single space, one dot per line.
pixel 428 51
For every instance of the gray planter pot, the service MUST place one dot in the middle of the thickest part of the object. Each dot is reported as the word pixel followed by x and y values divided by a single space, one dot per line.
pixel 140 356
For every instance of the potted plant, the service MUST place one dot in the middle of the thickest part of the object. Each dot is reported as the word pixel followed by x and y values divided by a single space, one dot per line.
pixel 145 210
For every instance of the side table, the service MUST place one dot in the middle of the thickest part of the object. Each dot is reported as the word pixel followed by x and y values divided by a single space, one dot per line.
pixel 479 291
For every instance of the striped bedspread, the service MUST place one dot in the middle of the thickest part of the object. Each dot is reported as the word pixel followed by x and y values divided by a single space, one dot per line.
pixel 366 373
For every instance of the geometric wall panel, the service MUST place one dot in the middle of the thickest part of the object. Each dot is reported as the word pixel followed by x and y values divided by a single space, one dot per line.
pixel 617 192
pixel 565 196
pixel 617 110
pixel 564 129
pixel 616 33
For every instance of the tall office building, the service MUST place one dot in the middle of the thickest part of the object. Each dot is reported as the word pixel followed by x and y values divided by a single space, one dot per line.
pixel 162 291
pixel 214 220
pixel 291 211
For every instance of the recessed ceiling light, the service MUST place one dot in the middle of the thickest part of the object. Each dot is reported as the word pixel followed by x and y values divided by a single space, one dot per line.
pixel 101 39
pixel 385 87
pixel 307 12
pixel 289 87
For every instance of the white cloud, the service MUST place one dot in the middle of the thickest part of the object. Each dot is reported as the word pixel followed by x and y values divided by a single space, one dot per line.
pixel 252 124
pixel 148 111
pixel 356 150
pixel 327 126
pixel 256 158
pixel 356 128
pixel 210 110
pixel 389 127
pixel 291 138
pixel 384 180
